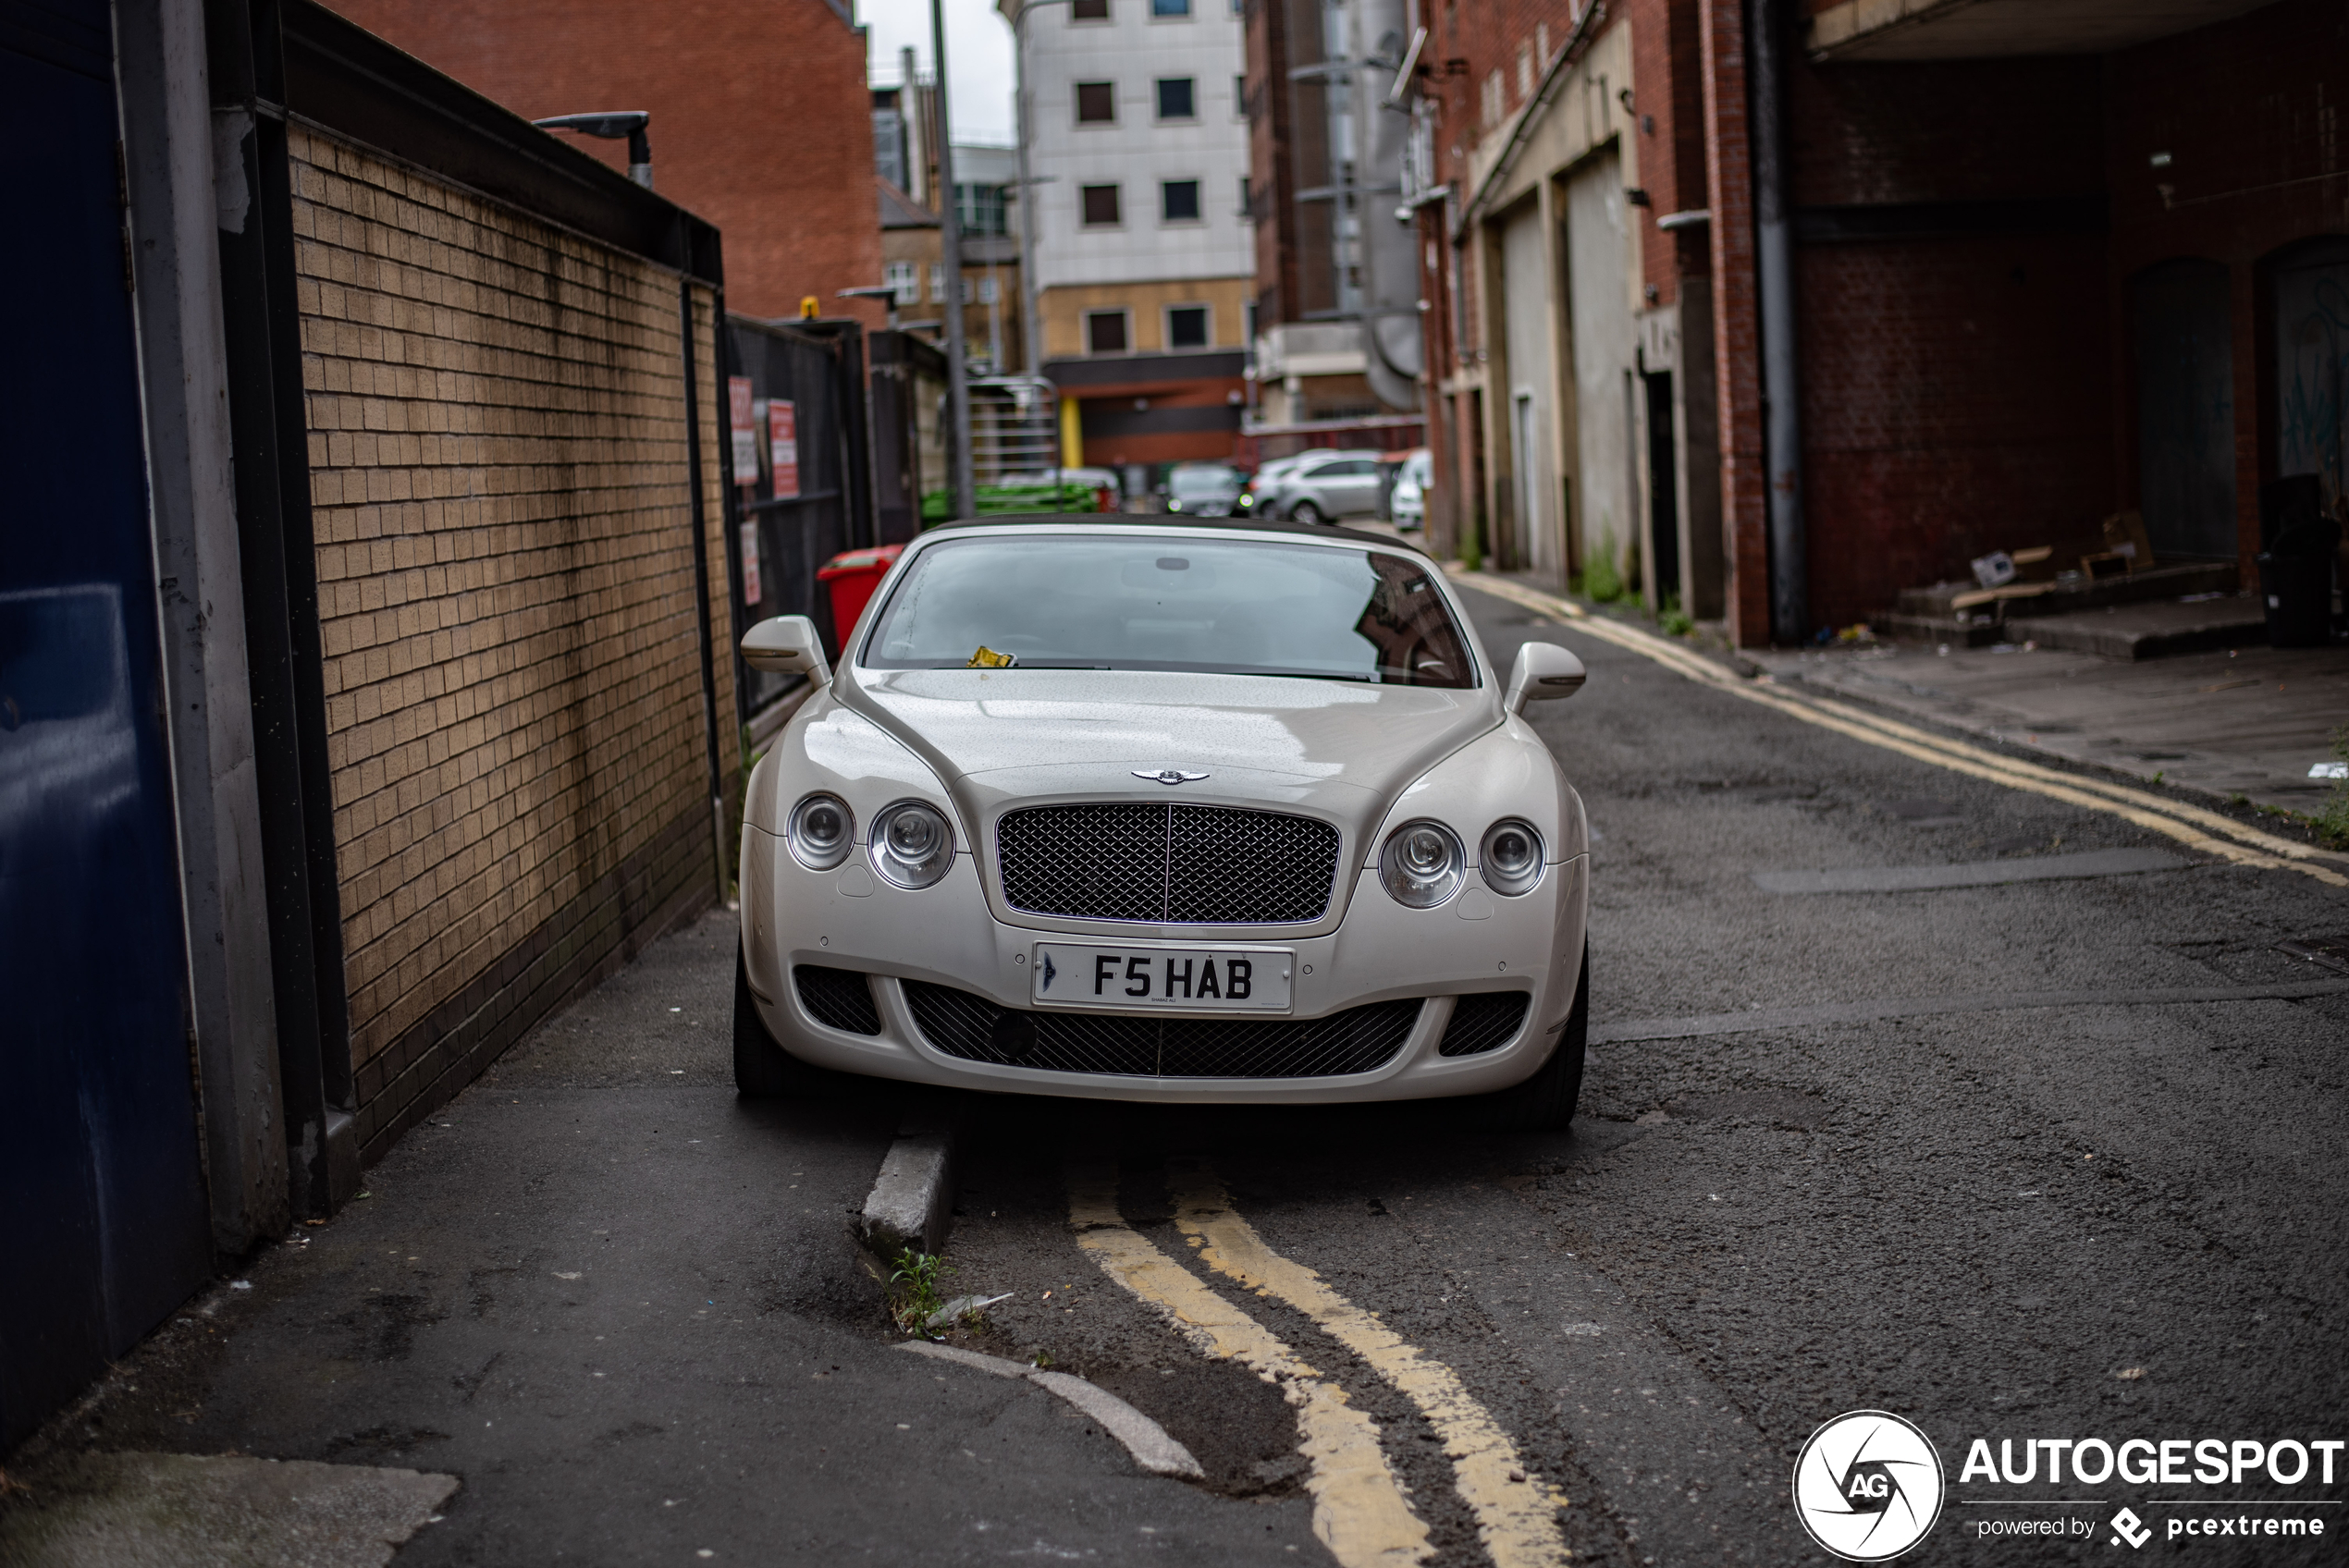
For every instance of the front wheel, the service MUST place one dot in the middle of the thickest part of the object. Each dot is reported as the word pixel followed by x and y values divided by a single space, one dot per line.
pixel 1544 1103
pixel 1308 513
pixel 763 1070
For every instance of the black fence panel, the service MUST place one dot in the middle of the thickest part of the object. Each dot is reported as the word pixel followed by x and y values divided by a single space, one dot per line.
pixel 801 390
pixel 909 452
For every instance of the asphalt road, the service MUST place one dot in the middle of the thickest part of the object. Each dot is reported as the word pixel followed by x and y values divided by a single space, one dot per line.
pixel 624 1308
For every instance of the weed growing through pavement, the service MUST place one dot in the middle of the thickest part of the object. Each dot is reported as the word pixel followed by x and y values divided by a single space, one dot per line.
pixel 1675 621
pixel 2331 819
pixel 1601 582
pixel 913 1288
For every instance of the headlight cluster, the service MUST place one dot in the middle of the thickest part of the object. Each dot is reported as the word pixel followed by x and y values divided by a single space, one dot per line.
pixel 913 844
pixel 1422 864
pixel 821 832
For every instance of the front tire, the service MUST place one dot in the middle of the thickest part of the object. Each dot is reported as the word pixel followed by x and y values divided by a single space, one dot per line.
pixel 1306 513
pixel 1544 1103
pixel 763 1070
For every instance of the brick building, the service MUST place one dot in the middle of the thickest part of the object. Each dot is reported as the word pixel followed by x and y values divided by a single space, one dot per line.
pixel 913 242
pixel 1779 309
pixel 761 118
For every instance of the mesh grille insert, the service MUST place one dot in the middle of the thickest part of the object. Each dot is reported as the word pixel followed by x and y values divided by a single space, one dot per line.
pixel 1140 1046
pixel 1484 1022
pixel 1205 866
pixel 837 999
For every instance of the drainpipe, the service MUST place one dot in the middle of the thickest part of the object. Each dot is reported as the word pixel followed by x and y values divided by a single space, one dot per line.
pixel 1773 264
pixel 702 619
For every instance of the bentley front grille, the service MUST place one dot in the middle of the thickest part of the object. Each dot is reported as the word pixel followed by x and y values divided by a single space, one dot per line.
pixel 1360 1039
pixel 1180 864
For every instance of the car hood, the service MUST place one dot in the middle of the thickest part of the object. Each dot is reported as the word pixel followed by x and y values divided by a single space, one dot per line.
pixel 1339 749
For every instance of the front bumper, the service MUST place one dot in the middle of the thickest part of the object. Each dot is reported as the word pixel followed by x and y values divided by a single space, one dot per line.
pixel 946 935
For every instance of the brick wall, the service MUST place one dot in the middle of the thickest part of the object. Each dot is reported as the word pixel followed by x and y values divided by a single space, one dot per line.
pixel 2249 112
pixel 761 119
pixel 501 506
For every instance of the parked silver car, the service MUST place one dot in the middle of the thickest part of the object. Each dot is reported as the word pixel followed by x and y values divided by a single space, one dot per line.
pixel 1324 486
pixel 1204 489
pixel 1166 809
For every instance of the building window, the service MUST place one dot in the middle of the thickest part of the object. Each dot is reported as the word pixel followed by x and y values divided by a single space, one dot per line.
pixel 1176 98
pixel 1187 327
pixel 1096 102
pixel 888 146
pixel 987 293
pixel 1101 206
pixel 1170 8
pixel 1178 201
pixel 937 282
pixel 1248 200
pixel 1089 11
pixel 903 282
pixel 1240 105
pixel 981 208
pixel 1105 332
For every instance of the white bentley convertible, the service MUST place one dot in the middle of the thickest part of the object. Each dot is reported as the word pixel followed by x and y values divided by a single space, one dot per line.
pixel 1156 810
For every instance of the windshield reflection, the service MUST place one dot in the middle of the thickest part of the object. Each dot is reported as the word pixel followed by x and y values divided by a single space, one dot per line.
pixel 1161 603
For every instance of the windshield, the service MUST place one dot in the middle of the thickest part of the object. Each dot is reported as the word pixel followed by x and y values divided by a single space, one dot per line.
pixel 1216 606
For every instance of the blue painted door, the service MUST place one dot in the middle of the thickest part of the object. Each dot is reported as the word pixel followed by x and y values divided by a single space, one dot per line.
pixel 100 1182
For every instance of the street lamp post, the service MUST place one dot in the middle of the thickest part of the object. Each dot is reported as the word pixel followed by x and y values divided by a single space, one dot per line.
pixel 612 126
pixel 958 392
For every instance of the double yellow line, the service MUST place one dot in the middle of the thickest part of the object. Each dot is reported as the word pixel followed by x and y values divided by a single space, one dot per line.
pixel 2211 833
pixel 1360 1509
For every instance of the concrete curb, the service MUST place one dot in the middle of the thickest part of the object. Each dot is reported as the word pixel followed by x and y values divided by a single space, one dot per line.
pixel 1148 1442
pixel 913 1198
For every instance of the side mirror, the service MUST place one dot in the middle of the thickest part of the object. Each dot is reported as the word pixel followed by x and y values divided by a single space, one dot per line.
pixel 1543 671
pixel 787 644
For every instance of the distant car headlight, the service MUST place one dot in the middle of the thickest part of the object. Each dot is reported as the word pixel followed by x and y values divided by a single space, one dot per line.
pixel 913 844
pixel 1510 857
pixel 1420 864
pixel 821 831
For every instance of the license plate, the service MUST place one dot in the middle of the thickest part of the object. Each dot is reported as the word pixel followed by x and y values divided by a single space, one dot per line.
pixel 1163 979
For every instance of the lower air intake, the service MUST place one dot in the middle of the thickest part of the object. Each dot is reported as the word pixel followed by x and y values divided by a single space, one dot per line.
pixel 837 999
pixel 1360 1039
pixel 1484 1022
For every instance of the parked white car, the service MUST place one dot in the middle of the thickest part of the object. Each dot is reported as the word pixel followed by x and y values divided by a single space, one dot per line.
pixel 1324 486
pixel 1407 507
pixel 1163 810
pixel 1263 483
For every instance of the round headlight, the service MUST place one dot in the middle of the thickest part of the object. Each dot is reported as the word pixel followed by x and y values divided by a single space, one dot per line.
pixel 1420 864
pixel 821 832
pixel 1510 857
pixel 913 844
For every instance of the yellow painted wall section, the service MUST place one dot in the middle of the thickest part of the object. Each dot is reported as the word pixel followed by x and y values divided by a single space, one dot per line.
pixel 1063 308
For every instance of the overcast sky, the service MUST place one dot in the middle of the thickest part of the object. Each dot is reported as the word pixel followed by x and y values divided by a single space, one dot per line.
pixel 978 43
